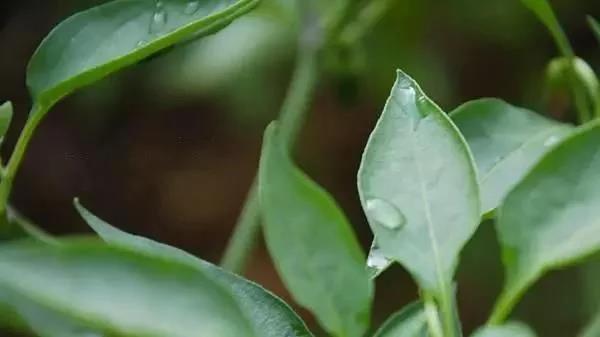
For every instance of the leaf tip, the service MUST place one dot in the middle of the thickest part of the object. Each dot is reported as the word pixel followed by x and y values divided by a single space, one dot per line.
pixel 6 107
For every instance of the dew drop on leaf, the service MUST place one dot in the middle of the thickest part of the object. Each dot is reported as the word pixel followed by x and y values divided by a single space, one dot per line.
pixel 377 262
pixel 385 214
pixel 159 19
pixel 191 7
pixel 551 141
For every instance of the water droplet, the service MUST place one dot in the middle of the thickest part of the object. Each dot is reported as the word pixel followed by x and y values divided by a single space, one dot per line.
pixel 551 141
pixel 385 214
pixel 377 262
pixel 192 7
pixel 159 19
pixel 141 43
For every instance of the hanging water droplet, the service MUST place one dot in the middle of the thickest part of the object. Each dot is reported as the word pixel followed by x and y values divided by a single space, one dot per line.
pixel 377 262
pixel 385 214
pixel 551 141
pixel 191 7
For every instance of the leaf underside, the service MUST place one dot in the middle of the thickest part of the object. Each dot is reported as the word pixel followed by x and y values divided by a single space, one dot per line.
pixel 418 186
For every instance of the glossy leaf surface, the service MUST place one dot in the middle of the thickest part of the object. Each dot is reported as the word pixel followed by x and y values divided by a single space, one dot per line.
pixel 269 315
pixel 511 329
pixel 418 186
pixel 550 219
pixel 97 42
pixel 506 142
pixel 312 244
pixel 118 291
pixel 6 113
pixel 408 322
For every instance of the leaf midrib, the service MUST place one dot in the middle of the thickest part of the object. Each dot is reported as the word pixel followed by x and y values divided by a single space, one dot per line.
pixel 426 207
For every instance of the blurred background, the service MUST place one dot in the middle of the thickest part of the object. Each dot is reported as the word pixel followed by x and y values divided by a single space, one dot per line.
pixel 167 149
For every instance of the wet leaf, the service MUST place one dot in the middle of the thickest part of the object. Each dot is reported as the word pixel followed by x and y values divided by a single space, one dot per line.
pixel 418 186
pixel 102 40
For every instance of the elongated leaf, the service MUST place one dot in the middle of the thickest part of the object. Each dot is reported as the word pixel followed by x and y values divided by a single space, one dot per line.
pixel 511 329
pixel 6 113
pixel 595 27
pixel 408 322
pixel 506 142
pixel 418 186
pixel 118 291
pixel 312 244
pixel 270 316
pixel 544 12
pixel 550 219
pixel 47 323
pixel 106 38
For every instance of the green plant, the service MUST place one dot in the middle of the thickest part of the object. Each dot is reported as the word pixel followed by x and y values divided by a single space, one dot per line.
pixel 426 181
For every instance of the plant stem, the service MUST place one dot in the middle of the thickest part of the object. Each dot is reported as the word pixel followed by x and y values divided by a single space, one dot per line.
pixel 448 311
pixel 292 118
pixel 433 317
pixel 8 175
pixel 366 19
pixel 505 304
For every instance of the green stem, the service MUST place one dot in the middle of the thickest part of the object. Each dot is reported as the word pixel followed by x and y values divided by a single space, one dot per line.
pixel 8 175
pixel 432 315
pixel 448 310
pixel 366 19
pixel 292 118
pixel 505 304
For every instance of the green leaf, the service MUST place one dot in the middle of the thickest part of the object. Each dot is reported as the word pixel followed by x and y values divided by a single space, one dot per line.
pixel 593 328
pixel 511 329
pixel 595 26
pixel 559 74
pixel 411 321
pixel 418 186
pixel 544 12
pixel 102 40
pixel 270 316
pixel 6 113
pixel 312 243
pixel 550 219
pixel 118 291
pixel 46 323
pixel 506 142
